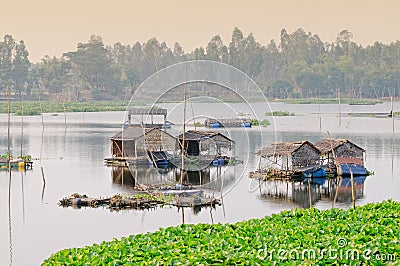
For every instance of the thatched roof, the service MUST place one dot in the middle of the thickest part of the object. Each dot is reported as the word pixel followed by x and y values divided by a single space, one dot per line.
pixel 284 148
pixel 202 135
pixel 148 111
pixel 132 133
pixel 325 145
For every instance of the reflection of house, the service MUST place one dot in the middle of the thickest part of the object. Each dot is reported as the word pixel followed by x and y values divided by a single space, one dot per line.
pixel 342 148
pixel 291 155
pixel 135 142
pixel 198 143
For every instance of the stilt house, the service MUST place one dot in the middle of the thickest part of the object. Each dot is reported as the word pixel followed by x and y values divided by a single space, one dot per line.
pixel 289 156
pixel 344 150
pixel 135 142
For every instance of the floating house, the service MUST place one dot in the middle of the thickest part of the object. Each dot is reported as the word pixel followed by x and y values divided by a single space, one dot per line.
pixel 341 156
pixel 140 146
pixel 291 160
pixel 232 122
pixel 206 144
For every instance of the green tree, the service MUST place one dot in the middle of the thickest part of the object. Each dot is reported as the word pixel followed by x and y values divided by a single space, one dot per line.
pixel 93 64
pixel 20 67
pixel 6 52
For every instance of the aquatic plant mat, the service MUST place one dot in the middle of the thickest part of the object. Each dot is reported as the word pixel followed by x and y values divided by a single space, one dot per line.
pixel 179 198
pixel 365 235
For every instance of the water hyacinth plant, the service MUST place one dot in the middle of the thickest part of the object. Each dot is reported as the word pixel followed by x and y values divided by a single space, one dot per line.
pixel 365 235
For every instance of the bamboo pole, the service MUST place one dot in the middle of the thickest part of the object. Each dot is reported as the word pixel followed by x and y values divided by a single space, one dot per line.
pixel 8 127
pixel 22 122
pixel 353 200
pixel 184 125
pixel 9 217
pixel 65 117
pixel 392 112
pixel 339 179
pixel 340 113
pixel 309 191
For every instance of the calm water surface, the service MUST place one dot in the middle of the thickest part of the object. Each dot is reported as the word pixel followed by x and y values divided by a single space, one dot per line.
pixel 33 226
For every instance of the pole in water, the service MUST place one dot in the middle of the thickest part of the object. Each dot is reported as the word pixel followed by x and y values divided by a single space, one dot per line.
pixel 22 122
pixel 340 113
pixel 184 128
pixel 352 189
pixel 8 128
pixel 309 191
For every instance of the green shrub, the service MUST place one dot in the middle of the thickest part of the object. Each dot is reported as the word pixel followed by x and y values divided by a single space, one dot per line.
pixel 371 231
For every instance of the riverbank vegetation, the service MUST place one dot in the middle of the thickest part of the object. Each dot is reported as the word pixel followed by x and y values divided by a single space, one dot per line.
pixel 368 234
pixel 331 101
pixel 38 107
pixel 298 65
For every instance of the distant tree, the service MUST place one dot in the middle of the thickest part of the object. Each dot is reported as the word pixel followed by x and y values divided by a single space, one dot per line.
pixel 93 63
pixel 216 50
pixel 198 54
pixel 179 54
pixel 237 38
pixel 280 89
pixel 6 53
pixel 54 75
pixel 20 67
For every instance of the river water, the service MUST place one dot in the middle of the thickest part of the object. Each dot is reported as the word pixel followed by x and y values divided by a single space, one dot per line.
pixel 33 226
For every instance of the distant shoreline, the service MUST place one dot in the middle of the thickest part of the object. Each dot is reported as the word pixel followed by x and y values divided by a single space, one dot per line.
pixel 38 107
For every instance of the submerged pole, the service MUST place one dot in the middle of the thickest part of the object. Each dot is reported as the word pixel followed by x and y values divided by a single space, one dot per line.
pixel 353 200
pixel 340 113
pixel 309 191
pixel 8 126
pixel 22 122
pixel 392 112
pixel 339 182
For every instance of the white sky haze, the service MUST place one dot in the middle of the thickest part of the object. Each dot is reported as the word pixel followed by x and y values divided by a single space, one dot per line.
pixel 52 27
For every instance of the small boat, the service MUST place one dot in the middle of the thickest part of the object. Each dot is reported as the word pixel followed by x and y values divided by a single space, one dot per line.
pixel 347 169
pixel 218 162
pixel 348 166
pixel 159 158
pixel 215 125
pixel 14 163
pixel 246 124
pixel 312 171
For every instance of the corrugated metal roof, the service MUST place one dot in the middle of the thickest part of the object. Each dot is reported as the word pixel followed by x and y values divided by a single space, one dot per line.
pixel 346 160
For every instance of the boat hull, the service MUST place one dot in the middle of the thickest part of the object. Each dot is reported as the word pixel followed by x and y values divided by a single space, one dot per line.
pixel 347 169
pixel 312 172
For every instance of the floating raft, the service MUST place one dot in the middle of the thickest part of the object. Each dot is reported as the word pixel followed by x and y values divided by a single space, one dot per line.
pixel 277 174
pixel 140 201
pixel 15 164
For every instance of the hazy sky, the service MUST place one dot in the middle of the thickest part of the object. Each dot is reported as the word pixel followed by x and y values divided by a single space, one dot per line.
pixel 55 26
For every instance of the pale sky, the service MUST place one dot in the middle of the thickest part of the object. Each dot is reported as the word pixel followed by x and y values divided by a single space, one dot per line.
pixel 52 27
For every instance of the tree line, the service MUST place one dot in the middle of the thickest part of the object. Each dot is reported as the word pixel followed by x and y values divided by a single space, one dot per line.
pixel 300 65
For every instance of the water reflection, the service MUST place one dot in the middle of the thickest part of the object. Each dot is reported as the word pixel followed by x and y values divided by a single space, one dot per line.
pixel 305 194
pixel 210 178
pixel 9 218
